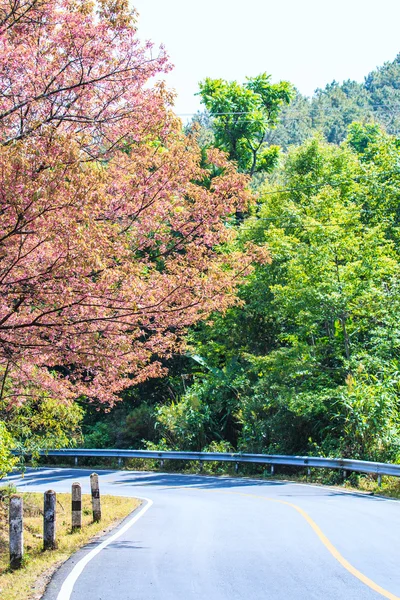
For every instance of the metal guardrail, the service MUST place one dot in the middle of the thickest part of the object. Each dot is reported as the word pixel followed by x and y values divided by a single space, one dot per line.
pixel 344 464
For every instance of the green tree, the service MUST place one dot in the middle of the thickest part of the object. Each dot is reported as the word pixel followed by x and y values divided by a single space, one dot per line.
pixel 383 88
pixel 335 107
pixel 294 125
pixel 310 359
pixel 44 424
pixel 241 116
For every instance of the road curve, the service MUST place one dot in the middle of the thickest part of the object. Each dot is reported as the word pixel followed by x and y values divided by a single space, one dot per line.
pixel 231 539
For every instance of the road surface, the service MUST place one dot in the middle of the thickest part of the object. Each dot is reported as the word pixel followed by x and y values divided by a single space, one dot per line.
pixel 213 538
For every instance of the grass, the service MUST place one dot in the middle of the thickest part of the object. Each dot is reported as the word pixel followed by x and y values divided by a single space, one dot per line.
pixel 390 486
pixel 29 582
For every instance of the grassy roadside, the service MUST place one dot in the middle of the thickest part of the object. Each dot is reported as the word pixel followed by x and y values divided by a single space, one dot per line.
pixel 30 581
pixel 390 487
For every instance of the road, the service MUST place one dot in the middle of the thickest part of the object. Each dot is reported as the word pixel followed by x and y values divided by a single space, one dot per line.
pixel 231 539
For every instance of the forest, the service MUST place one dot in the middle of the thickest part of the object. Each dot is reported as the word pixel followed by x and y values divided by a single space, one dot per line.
pixel 228 284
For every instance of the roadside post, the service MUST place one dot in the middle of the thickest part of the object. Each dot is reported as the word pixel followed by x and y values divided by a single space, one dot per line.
pixel 16 532
pixel 49 520
pixel 76 521
pixel 96 504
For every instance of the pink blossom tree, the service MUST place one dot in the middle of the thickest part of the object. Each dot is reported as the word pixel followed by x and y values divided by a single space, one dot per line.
pixel 111 229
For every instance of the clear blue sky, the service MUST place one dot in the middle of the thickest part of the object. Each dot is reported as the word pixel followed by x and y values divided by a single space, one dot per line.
pixel 308 42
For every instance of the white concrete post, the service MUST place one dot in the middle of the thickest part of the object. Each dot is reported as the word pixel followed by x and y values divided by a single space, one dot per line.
pixel 76 497
pixel 96 504
pixel 49 520
pixel 16 532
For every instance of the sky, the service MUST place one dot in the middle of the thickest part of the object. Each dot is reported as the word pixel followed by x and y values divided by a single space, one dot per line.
pixel 308 42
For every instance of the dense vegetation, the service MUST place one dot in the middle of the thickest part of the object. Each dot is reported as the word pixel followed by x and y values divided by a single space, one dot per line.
pixel 136 264
pixel 308 361
pixel 112 220
pixel 330 110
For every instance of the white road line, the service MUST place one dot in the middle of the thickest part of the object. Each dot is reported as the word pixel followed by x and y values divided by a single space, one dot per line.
pixel 68 585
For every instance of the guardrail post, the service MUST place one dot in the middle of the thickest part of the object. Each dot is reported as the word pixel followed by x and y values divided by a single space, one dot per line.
pixel 162 463
pixel 308 472
pixel 49 521
pixel 119 461
pixel 200 466
pixel 96 504
pixel 344 474
pixel 76 461
pixel 236 468
pixel 272 469
pixel 16 543
pixel 76 521
pixel 380 480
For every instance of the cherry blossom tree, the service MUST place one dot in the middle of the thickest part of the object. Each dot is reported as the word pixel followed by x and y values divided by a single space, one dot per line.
pixel 112 226
pixel 78 65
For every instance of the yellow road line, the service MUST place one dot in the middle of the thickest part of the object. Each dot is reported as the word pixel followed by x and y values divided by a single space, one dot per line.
pixel 326 542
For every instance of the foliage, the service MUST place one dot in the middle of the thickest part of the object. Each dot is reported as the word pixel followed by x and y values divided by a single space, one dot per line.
pixel 383 87
pixel 43 423
pixel 116 237
pixel 241 116
pixel 336 106
pixel 7 444
pixel 131 423
pixel 183 423
pixel 125 428
pixel 331 110
pixel 310 361
pixel 110 241
pixel 295 124
pixel 76 65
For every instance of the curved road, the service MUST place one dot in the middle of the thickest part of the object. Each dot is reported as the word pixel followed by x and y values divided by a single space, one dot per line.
pixel 231 539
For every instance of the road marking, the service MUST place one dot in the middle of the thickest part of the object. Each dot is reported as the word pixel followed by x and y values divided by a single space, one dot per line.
pixel 336 554
pixel 68 584
pixel 326 542
pixel 330 547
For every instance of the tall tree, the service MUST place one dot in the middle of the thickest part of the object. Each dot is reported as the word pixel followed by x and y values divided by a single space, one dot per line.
pixel 310 359
pixel 104 263
pixel 242 115
pixel 383 87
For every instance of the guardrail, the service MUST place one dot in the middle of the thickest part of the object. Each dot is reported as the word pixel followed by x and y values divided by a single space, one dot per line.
pixel 344 464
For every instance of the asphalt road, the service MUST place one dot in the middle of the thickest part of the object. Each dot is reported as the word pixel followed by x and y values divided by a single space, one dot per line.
pixel 232 539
